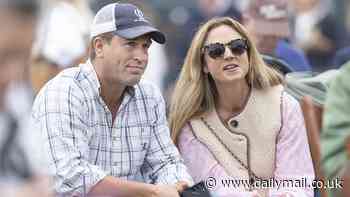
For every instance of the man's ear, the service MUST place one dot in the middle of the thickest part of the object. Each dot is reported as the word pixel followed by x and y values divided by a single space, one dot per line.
pixel 98 46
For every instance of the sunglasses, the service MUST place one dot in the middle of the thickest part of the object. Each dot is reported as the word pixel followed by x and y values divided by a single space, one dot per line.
pixel 216 50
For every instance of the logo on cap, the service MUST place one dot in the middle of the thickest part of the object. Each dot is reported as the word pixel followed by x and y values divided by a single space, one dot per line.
pixel 139 15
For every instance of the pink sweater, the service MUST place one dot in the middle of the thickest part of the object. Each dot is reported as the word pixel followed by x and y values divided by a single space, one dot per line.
pixel 293 159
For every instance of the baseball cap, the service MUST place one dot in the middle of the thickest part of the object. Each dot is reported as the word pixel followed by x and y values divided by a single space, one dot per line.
pixel 124 20
pixel 270 16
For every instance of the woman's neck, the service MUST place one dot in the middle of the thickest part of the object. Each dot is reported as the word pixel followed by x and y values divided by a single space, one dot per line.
pixel 232 99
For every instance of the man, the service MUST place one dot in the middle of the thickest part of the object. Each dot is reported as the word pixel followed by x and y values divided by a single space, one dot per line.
pixel 21 171
pixel 268 22
pixel 105 132
pixel 336 128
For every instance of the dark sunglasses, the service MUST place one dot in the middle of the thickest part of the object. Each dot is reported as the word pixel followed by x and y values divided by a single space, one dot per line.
pixel 216 50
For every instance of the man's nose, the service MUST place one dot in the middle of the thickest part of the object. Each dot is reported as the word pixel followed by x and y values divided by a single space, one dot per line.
pixel 141 55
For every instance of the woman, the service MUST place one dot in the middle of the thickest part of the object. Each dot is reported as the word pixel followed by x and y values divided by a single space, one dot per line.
pixel 230 115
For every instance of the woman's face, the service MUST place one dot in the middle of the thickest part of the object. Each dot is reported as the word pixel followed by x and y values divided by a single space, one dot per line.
pixel 228 65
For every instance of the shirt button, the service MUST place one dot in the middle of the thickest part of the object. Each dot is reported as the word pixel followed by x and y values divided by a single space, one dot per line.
pixel 234 123
pixel 144 146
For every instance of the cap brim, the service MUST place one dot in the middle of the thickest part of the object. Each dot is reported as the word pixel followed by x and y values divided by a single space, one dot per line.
pixel 135 32
pixel 277 28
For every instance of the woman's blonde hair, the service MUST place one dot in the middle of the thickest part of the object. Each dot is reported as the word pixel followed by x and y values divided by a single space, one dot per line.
pixel 195 91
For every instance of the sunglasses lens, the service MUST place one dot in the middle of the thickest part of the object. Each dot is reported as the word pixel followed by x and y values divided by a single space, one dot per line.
pixel 238 47
pixel 216 50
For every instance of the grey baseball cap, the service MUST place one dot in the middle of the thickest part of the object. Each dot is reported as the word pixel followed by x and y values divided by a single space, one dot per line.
pixel 124 20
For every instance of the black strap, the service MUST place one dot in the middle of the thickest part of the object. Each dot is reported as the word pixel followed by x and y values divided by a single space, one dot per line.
pixel 198 190
pixel 252 176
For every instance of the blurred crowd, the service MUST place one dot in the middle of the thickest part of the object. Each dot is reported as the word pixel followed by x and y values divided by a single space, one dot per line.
pixel 309 35
pixel 314 38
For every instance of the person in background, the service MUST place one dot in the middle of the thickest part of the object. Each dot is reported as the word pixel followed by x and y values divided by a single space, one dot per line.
pixel 336 128
pixel 22 162
pixel 268 22
pixel 341 57
pixel 318 32
pixel 231 118
pixel 106 133
pixel 62 39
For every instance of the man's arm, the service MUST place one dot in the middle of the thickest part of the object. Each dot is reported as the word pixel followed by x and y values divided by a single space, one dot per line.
pixel 163 163
pixel 111 186
pixel 59 113
pixel 336 124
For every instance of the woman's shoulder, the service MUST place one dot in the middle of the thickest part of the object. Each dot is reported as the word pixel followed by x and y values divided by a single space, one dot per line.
pixel 279 91
pixel 269 92
pixel 186 134
pixel 289 101
pixel 291 110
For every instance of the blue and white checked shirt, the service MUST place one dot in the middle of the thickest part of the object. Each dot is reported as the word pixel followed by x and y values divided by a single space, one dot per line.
pixel 84 145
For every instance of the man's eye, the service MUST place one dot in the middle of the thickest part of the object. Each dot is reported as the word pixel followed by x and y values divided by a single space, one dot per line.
pixel 131 44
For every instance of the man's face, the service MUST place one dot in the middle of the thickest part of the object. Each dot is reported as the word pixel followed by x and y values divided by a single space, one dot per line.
pixel 124 61
pixel 266 43
pixel 16 37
